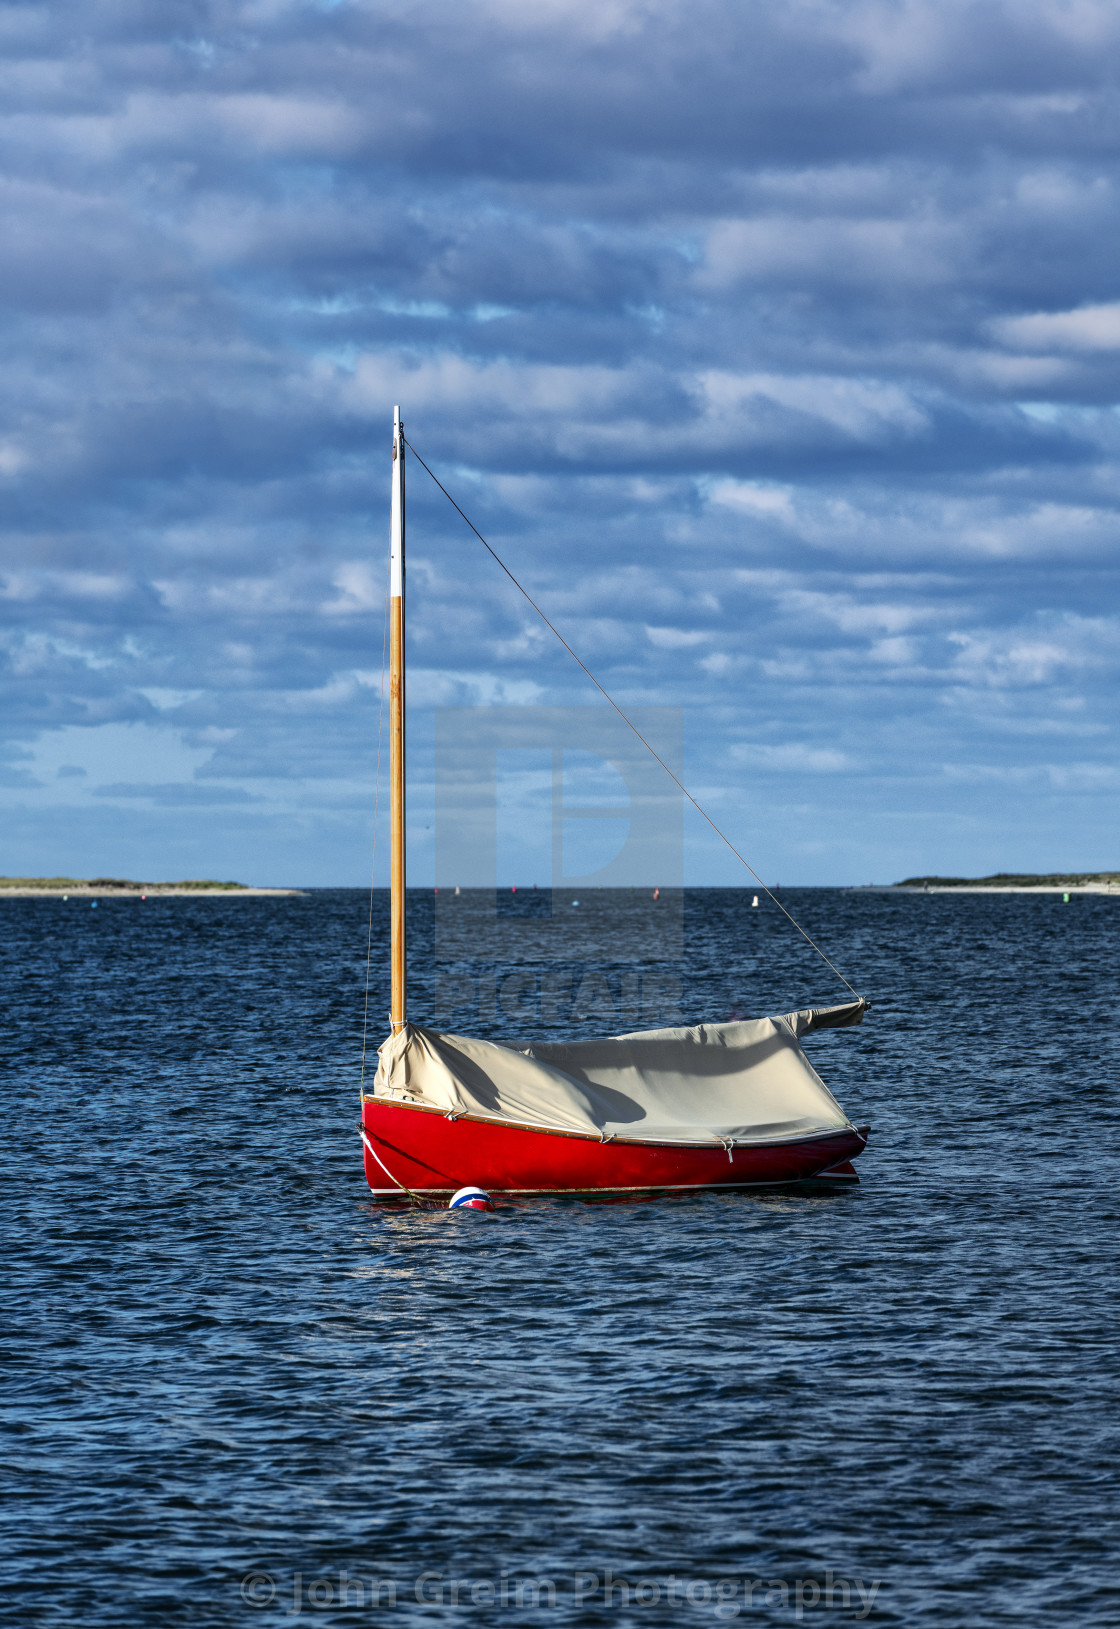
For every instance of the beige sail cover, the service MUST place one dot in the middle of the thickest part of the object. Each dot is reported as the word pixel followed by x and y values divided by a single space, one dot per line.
pixel 711 1082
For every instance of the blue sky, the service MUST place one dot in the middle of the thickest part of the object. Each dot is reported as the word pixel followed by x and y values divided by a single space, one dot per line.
pixel 775 345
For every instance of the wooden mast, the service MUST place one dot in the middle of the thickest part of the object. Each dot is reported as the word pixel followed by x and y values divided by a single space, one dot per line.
pixel 396 728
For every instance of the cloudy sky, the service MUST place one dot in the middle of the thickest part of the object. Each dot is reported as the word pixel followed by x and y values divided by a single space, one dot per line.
pixel 774 343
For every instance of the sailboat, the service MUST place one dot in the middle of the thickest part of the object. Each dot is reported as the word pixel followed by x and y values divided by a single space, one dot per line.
pixel 722 1105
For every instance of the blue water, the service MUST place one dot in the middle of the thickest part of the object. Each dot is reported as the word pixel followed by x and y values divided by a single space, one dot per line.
pixel 232 1378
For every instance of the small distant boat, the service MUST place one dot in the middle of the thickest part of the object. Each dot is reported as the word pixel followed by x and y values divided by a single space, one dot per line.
pixel 734 1105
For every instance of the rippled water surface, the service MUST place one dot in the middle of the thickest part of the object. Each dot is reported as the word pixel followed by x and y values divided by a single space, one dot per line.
pixel 232 1378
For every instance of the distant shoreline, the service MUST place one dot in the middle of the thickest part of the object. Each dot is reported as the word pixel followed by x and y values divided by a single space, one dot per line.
pixel 119 888
pixel 1015 882
pixel 989 888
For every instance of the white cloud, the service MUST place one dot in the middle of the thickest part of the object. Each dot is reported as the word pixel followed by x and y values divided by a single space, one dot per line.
pixel 793 758
pixel 861 409
pixel 677 638
pixel 1088 328
pixel 1071 777
pixel 33 584
pixel 447 688
pixel 914 251
pixel 856 616
pixel 165 700
pixel 758 498
pixel 1058 647
pixel 361 590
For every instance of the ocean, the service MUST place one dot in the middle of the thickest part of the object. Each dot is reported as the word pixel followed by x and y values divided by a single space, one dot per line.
pixel 240 1392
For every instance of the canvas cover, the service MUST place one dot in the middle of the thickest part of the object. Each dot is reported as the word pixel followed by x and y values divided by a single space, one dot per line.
pixel 709 1083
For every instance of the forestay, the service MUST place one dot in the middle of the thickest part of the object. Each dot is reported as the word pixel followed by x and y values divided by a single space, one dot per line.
pixel 711 1082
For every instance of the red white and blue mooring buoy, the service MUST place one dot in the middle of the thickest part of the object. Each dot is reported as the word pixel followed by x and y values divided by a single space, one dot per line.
pixel 470 1199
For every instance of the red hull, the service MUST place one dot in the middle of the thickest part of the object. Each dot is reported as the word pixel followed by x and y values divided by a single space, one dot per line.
pixel 431 1154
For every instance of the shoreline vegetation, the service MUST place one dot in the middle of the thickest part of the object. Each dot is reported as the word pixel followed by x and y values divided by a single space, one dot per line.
pixel 1015 882
pixel 125 888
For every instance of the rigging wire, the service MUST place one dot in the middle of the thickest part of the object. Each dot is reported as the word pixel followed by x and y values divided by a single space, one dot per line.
pixel 631 725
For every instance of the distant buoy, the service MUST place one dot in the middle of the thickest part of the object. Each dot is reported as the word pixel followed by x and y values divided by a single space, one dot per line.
pixel 1065 899
pixel 470 1199
pixel 437 890
pixel 575 901
pixel 513 890
pixel 657 893
pixel 754 903
pixel 93 904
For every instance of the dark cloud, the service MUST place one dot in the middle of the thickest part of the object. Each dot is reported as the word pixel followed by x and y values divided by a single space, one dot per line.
pixel 777 345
